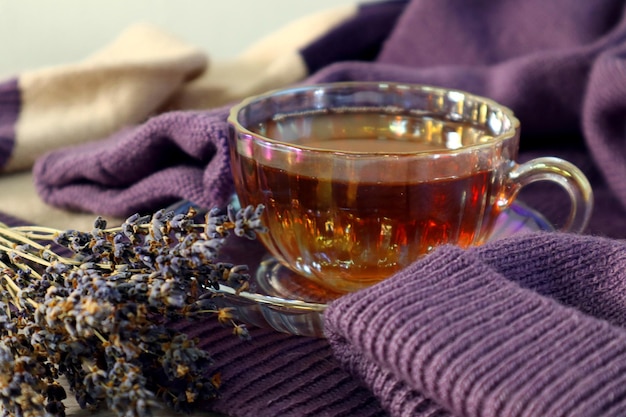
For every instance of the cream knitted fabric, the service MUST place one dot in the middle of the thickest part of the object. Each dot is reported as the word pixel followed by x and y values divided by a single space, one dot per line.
pixel 120 85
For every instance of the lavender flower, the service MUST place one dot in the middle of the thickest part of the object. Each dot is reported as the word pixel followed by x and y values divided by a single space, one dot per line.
pixel 99 318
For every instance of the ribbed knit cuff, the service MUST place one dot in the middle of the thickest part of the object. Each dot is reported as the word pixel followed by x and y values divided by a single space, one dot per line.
pixel 454 330
pixel 275 374
pixel 10 102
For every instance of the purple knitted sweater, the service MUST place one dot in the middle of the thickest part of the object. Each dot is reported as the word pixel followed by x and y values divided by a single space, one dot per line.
pixel 532 325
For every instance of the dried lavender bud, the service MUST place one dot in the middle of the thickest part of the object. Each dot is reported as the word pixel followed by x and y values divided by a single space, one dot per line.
pixel 241 331
pixel 132 226
pixel 97 319
pixel 248 221
pixel 215 220
pixel 158 224
pixel 180 223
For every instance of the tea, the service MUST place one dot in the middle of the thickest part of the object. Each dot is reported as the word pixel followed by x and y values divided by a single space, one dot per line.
pixel 348 230
pixel 362 178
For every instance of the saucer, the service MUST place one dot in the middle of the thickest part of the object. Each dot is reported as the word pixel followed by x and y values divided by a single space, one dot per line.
pixel 282 300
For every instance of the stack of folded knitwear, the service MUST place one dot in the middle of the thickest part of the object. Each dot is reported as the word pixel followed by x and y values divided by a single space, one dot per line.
pixel 529 325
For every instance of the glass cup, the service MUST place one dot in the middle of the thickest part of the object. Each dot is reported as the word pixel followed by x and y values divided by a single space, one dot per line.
pixel 360 179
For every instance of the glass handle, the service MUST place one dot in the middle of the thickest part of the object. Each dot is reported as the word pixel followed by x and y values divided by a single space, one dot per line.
pixel 569 177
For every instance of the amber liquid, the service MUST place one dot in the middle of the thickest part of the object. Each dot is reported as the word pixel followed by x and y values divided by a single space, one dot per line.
pixel 349 233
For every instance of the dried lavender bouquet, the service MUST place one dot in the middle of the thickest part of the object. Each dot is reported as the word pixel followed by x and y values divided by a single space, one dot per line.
pixel 99 315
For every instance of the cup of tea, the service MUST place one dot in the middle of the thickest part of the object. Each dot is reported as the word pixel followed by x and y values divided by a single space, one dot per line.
pixel 360 179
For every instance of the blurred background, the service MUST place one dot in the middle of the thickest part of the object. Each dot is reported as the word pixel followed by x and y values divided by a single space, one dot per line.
pixel 38 33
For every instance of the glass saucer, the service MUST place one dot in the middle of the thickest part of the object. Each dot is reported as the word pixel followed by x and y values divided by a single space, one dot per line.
pixel 282 300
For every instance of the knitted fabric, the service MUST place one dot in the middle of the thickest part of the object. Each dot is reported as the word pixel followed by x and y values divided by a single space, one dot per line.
pixel 529 326
pixel 117 86
pixel 173 156
pixel 9 111
pixel 280 375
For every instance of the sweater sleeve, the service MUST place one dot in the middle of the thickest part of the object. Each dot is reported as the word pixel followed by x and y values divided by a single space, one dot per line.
pixel 456 330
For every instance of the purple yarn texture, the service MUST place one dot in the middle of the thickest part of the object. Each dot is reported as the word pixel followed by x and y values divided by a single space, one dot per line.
pixel 174 156
pixel 532 325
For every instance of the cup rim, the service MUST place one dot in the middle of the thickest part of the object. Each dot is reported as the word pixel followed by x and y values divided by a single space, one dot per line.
pixel 233 117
